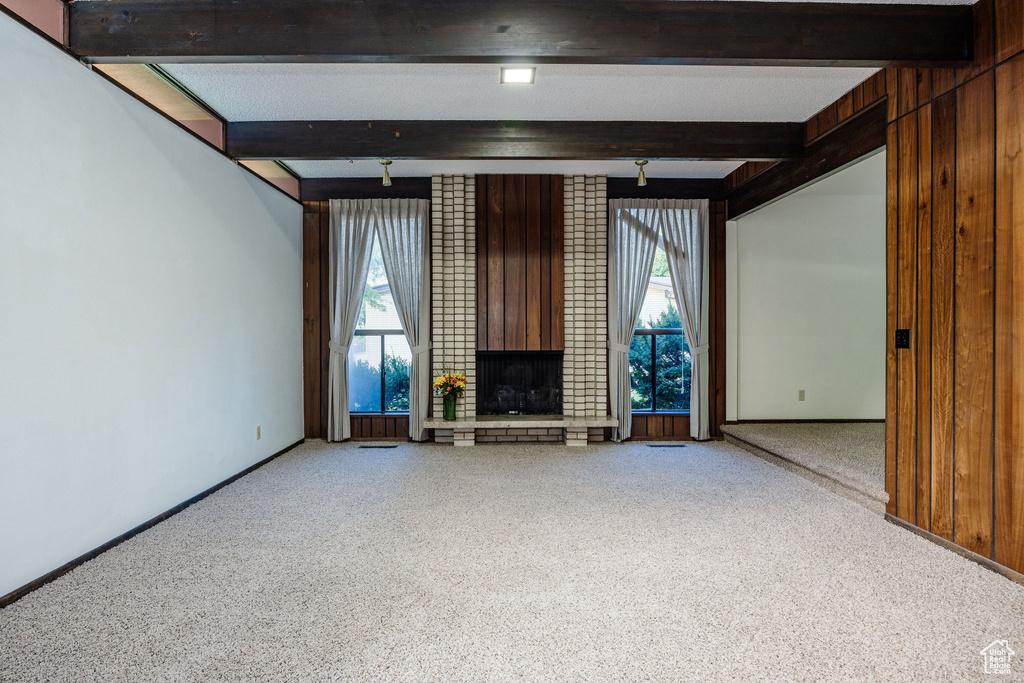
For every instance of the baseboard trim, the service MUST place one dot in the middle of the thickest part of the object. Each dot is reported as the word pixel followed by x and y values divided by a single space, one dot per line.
pixel 19 593
pixel 985 562
pixel 824 421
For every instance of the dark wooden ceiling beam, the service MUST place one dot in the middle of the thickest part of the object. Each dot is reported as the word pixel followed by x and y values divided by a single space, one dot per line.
pixel 538 31
pixel 321 189
pixel 666 188
pixel 513 140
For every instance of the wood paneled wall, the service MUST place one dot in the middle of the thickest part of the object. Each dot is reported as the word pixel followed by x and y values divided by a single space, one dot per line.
pixel 316 330
pixel 316 333
pixel 955 235
pixel 520 263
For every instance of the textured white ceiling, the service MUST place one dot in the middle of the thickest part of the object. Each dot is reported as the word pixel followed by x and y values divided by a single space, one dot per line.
pixel 268 92
pixel 411 168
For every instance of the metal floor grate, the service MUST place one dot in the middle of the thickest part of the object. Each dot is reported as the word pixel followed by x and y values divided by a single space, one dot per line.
pixel 393 445
pixel 666 445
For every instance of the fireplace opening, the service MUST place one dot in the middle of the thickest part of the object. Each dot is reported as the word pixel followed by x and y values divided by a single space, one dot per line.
pixel 519 383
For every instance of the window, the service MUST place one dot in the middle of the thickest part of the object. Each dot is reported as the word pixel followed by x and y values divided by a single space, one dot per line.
pixel 659 358
pixel 379 358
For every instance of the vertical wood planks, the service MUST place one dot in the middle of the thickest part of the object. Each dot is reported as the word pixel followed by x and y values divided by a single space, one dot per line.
pixel 481 262
pixel 495 261
pixel 520 276
pixel 906 100
pixel 545 264
pixel 891 307
pixel 515 263
pixel 923 305
pixel 906 318
pixel 1009 23
pixel 975 180
pixel 311 348
pixel 943 80
pixel 717 316
pixel 943 130
pixel 984 42
pixel 532 250
pixel 1009 387
pixel 325 312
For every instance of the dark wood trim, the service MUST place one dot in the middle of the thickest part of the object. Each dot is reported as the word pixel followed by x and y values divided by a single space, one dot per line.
pixel 577 140
pixel 380 427
pixel 844 145
pixel 322 189
pixel 19 593
pixel 667 188
pixel 959 550
pixel 716 317
pixel 537 31
pixel 660 427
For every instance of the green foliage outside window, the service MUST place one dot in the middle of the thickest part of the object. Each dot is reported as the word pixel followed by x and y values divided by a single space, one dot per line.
pixel 671 386
pixel 364 385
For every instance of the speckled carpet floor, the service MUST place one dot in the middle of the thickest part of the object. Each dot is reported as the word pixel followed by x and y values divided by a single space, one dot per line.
pixel 851 452
pixel 497 563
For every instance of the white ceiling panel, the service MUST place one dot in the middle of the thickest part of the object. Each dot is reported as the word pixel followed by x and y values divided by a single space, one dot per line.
pixel 282 92
pixel 413 168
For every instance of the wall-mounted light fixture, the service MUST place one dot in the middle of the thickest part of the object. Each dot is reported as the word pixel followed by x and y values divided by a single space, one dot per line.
pixel 523 75
pixel 641 179
pixel 387 176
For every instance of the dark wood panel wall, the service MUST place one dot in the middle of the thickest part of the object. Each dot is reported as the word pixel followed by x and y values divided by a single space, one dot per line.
pixel 316 332
pixel 520 269
pixel 955 236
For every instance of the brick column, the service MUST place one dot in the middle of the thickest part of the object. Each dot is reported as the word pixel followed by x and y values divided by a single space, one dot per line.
pixel 585 370
pixel 453 288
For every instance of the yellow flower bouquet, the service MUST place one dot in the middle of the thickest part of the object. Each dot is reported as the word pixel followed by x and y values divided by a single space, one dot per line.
pixel 450 385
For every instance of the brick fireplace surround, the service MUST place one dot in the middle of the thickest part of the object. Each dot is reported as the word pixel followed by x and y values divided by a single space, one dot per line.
pixel 454 307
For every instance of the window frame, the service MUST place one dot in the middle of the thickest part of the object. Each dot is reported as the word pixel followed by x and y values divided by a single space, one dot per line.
pixel 383 334
pixel 654 333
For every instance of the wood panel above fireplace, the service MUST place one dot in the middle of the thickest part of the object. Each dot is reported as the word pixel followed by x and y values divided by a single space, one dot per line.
pixel 520 289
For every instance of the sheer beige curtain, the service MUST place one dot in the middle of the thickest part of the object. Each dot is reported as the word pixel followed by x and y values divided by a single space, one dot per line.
pixel 684 228
pixel 632 241
pixel 351 239
pixel 403 229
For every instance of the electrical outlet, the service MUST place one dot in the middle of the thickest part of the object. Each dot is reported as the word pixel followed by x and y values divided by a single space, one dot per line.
pixel 257 432
pixel 800 396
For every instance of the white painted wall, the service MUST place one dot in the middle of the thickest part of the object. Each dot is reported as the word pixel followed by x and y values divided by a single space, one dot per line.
pixel 806 302
pixel 150 312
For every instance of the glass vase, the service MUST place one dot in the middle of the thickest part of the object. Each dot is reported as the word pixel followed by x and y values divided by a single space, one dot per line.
pixel 449 406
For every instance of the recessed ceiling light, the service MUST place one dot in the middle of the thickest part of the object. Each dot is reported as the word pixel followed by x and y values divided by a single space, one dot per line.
pixel 518 74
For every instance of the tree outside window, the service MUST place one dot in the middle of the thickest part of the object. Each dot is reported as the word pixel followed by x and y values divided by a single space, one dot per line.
pixel 660 363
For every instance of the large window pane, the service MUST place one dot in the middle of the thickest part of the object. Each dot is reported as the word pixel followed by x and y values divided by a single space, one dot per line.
pixel 640 372
pixel 364 365
pixel 659 363
pixel 397 363
pixel 378 311
pixel 672 383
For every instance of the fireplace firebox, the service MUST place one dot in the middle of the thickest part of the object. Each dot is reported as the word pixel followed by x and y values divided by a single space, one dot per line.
pixel 519 383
